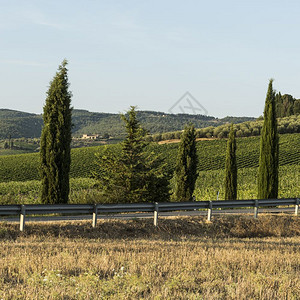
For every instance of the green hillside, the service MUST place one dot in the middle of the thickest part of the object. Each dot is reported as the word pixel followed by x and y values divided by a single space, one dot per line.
pixel 25 125
pixel 211 153
pixel 19 125
pixel 154 122
pixel 290 124
pixel 10 114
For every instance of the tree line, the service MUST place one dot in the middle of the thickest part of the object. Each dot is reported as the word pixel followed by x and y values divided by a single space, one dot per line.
pixel 286 105
pixel 133 174
pixel 289 124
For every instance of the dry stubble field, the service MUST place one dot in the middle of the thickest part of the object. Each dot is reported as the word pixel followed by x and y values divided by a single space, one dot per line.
pixel 184 258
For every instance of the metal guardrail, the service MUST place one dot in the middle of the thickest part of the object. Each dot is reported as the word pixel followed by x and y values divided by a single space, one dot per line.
pixel 156 207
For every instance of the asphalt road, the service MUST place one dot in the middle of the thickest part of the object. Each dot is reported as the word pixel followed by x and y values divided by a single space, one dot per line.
pixel 125 216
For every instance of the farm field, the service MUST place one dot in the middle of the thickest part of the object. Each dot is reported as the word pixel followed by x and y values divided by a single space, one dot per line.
pixel 211 154
pixel 83 190
pixel 19 174
pixel 184 258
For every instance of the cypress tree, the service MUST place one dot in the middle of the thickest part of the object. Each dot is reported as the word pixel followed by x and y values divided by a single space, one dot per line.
pixel 10 142
pixel 186 167
pixel 269 150
pixel 231 167
pixel 56 138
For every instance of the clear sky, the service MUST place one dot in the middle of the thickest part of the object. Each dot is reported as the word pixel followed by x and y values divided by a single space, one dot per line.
pixel 149 53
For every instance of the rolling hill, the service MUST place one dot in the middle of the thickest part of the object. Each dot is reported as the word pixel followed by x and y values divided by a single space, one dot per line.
pixel 19 124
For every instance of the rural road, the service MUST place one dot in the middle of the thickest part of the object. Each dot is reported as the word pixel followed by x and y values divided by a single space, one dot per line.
pixel 125 216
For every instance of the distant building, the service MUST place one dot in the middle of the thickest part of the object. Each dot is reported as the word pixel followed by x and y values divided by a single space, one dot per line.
pixel 90 136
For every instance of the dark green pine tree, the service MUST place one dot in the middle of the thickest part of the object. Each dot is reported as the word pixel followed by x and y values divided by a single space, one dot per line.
pixel 56 138
pixel 132 173
pixel 132 157
pixel 231 167
pixel 269 150
pixel 186 166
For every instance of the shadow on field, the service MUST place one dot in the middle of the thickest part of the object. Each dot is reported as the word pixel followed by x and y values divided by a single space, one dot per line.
pixel 175 228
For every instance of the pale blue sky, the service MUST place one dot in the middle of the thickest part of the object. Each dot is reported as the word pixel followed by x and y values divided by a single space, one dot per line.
pixel 149 53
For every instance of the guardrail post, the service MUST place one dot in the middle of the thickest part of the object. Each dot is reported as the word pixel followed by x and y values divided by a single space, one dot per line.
pixel 256 209
pixel 22 217
pixel 155 216
pixel 95 215
pixel 297 207
pixel 209 212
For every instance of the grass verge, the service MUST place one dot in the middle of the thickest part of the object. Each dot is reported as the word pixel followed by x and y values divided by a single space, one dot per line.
pixel 184 258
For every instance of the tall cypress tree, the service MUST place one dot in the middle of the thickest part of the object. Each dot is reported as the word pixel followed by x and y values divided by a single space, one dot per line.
pixel 231 167
pixel 269 150
pixel 56 138
pixel 186 167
